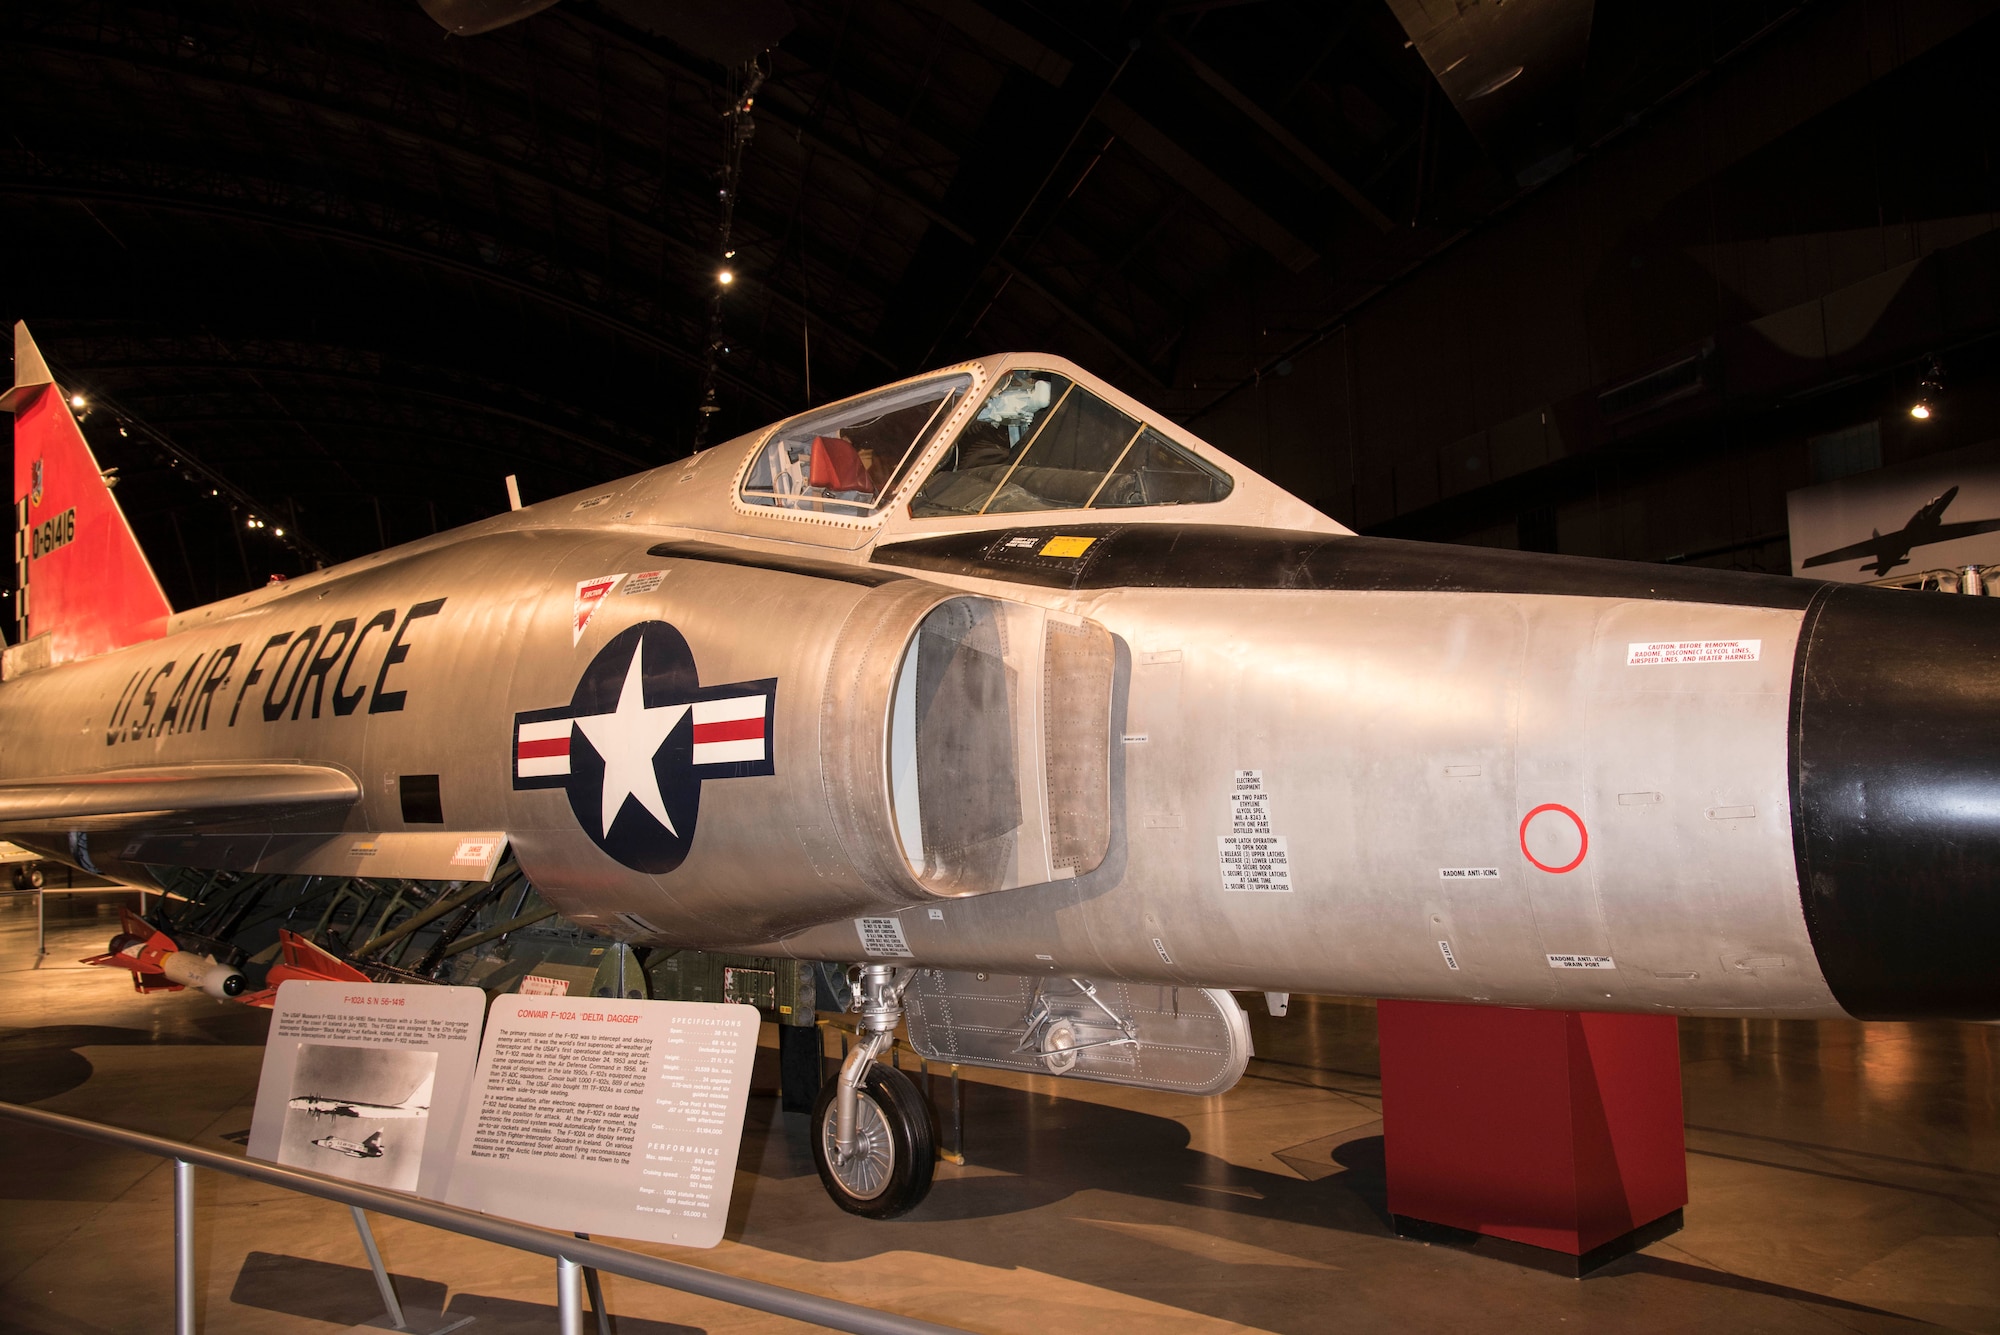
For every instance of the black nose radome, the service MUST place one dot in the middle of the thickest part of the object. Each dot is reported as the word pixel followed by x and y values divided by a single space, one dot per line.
pixel 1895 761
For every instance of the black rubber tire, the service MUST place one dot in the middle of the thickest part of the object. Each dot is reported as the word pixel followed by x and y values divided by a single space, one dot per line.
pixel 28 877
pixel 911 1144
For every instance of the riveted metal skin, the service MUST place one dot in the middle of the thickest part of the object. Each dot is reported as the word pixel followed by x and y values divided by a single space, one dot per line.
pixel 854 717
pixel 1402 737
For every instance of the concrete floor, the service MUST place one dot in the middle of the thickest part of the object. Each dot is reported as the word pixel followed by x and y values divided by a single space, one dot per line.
pixel 1844 1177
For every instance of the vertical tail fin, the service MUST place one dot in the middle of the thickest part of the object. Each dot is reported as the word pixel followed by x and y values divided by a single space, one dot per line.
pixel 83 583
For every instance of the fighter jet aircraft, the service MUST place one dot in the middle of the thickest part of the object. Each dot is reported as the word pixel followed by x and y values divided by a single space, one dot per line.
pixel 1055 724
pixel 1886 551
pixel 370 1148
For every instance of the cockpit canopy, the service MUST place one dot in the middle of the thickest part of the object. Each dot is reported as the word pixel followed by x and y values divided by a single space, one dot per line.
pixel 1038 441
pixel 1041 441
pixel 850 458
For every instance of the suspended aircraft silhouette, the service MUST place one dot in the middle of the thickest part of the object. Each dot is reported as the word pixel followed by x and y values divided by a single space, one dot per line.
pixel 1926 526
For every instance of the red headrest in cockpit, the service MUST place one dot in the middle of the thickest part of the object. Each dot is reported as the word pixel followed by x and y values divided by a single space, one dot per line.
pixel 836 465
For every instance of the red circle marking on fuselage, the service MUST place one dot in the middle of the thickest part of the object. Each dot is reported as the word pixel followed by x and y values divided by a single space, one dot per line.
pixel 1583 836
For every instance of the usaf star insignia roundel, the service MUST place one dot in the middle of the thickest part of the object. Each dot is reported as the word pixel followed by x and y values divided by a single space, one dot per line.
pixel 638 738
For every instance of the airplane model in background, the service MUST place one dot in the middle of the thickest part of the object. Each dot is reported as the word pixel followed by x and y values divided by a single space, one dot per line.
pixel 1050 722
pixel 27 866
pixel 1885 551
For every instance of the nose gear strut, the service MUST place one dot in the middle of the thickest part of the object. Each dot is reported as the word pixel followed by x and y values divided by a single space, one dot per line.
pixel 878 998
pixel 872 1139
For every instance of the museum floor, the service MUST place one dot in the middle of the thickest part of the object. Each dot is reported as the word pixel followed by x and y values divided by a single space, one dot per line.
pixel 1844 1178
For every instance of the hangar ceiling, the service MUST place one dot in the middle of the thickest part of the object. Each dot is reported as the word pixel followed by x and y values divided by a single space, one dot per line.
pixel 360 268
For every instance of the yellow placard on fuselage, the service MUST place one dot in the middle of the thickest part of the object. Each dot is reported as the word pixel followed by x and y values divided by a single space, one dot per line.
pixel 1066 546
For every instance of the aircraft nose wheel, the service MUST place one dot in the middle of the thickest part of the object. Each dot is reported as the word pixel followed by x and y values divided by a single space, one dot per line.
pixel 895 1153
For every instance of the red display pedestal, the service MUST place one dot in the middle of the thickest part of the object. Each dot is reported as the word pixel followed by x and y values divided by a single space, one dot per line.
pixel 1558 1130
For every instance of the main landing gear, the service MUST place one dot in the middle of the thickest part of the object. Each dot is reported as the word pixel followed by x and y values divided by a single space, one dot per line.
pixel 871 1128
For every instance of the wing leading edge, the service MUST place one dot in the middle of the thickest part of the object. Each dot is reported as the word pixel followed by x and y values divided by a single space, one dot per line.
pixel 173 794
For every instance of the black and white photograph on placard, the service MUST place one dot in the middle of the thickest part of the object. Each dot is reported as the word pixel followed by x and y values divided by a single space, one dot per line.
pixel 359 1113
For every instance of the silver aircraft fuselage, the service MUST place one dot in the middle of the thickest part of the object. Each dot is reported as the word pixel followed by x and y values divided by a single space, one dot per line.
pixel 1239 747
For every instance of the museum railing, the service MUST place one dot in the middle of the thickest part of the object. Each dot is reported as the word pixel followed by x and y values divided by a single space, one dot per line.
pixel 572 1255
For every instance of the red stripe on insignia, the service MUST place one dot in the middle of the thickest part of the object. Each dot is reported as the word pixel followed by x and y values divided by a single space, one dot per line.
pixel 554 746
pixel 731 730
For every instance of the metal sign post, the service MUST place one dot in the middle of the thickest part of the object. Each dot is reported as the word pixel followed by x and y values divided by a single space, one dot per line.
pixel 569 1296
pixel 388 1290
pixel 183 1247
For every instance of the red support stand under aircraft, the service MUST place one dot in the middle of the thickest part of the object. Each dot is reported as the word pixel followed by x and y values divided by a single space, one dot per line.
pixel 1559 1130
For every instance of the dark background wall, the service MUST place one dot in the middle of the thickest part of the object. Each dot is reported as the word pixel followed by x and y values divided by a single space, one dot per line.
pixel 1790 241
pixel 1597 278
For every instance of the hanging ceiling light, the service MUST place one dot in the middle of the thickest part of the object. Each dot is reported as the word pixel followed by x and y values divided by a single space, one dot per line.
pixel 1929 390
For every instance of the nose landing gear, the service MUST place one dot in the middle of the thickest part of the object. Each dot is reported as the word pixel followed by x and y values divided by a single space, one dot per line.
pixel 871 1128
pixel 889 1170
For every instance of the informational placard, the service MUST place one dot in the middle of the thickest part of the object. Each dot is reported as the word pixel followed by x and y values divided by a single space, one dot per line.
pixel 367 1081
pixel 882 936
pixel 595 1115
pixel 1670 653
pixel 1581 962
pixel 1250 856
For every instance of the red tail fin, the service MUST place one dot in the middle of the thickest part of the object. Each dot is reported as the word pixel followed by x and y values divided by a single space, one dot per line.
pixel 83 582
pixel 140 947
pixel 135 925
pixel 306 961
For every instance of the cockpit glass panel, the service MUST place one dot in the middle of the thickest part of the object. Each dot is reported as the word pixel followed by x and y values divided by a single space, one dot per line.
pixel 849 459
pixel 1155 471
pixel 1043 442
